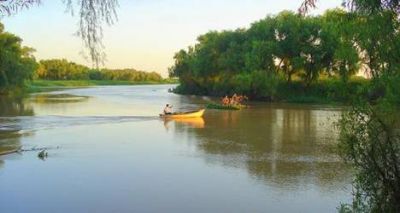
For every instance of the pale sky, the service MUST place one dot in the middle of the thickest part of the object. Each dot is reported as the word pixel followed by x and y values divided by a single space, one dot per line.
pixel 147 33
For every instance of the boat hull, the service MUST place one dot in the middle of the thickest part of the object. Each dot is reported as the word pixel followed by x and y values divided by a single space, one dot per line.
pixel 194 114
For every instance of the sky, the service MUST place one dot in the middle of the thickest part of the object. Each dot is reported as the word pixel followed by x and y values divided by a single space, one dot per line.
pixel 147 33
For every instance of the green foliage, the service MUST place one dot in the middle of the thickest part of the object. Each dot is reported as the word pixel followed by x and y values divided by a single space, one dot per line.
pixel 16 62
pixel 331 90
pixel 224 107
pixel 129 75
pixel 369 131
pixel 264 85
pixel 370 141
pixel 57 69
pixel 287 46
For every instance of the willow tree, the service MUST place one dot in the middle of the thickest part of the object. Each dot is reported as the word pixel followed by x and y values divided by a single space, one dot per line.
pixel 93 14
pixel 370 130
pixel 365 6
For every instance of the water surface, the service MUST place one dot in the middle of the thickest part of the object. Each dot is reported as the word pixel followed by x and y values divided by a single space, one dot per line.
pixel 109 152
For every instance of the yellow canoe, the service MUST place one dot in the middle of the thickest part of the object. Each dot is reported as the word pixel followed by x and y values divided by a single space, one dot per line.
pixel 192 114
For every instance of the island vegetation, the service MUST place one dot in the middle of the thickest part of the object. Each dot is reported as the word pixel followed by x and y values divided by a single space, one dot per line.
pixel 290 57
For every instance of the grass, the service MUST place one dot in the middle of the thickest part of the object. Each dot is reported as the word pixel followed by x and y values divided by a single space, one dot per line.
pixel 50 85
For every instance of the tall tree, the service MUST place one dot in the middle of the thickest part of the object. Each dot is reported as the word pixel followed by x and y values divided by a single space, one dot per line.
pixel 16 62
pixel 289 32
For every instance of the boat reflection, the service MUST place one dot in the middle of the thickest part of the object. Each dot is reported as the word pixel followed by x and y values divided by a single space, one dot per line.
pixel 197 123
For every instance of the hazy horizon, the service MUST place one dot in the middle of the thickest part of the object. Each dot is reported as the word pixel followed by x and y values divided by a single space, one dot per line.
pixel 147 34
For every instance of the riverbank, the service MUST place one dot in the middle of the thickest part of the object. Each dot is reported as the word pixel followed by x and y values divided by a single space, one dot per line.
pixel 325 91
pixel 49 85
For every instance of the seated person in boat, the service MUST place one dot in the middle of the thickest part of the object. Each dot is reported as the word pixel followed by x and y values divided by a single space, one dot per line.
pixel 225 100
pixel 168 109
pixel 234 99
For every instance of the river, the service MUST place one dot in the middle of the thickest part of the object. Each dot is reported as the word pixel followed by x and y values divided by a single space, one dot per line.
pixel 109 152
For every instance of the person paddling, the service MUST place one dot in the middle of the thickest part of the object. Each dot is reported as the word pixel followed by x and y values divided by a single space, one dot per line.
pixel 168 109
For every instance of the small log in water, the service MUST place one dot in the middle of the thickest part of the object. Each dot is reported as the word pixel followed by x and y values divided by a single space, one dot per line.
pixel 19 150
pixel 10 152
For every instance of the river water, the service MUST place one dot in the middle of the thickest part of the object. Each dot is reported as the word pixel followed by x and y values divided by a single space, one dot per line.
pixel 109 152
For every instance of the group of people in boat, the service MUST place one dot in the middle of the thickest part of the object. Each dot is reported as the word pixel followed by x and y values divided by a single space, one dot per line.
pixel 234 100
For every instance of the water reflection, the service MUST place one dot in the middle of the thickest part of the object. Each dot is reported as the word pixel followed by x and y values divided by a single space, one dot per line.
pixel 281 145
pixel 10 131
pixel 58 98
pixel 9 142
pixel 14 107
pixel 274 157
pixel 184 122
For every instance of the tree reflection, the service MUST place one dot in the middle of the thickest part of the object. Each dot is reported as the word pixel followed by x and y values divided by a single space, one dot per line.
pixel 9 142
pixel 287 146
pixel 9 128
pixel 14 107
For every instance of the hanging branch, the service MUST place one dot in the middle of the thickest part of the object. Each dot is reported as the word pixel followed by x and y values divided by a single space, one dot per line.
pixel 93 15
pixel 306 6
pixel 367 6
pixel 10 7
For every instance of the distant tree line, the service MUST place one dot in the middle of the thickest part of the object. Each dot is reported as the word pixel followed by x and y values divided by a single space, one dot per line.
pixel 61 69
pixel 290 48
pixel 18 65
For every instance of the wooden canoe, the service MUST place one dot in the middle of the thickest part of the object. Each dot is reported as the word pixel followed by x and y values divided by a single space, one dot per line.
pixel 191 114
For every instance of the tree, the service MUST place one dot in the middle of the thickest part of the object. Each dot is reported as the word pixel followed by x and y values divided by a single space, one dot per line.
pixel 289 32
pixel 370 141
pixel 57 69
pixel 93 14
pixel 16 62
pixel 369 131
pixel 261 46
pixel 339 30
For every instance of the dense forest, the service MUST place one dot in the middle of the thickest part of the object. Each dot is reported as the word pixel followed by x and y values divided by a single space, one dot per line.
pixel 291 57
pixel 18 66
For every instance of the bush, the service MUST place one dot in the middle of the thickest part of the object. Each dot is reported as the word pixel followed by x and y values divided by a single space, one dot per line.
pixel 370 141
pixel 265 84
